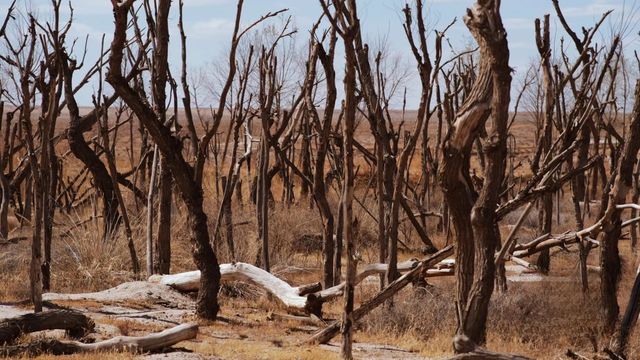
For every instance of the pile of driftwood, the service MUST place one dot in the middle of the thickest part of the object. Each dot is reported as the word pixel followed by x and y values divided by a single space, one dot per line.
pixel 78 326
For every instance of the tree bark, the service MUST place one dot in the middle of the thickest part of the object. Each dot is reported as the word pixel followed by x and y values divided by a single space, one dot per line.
pixel 162 248
pixel 611 221
pixel 74 322
pixel 183 174
pixel 544 49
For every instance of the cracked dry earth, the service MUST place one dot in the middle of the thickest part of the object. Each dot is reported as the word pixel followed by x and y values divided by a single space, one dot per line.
pixel 139 308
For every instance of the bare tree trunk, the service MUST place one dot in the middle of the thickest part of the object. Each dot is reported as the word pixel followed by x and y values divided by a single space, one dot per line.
pixel 151 210
pixel 495 51
pixel 348 125
pixel 88 157
pixel 262 201
pixel 190 186
pixel 135 265
pixel 162 258
pixel 348 17
pixel 5 195
pixel 611 221
pixel 635 197
pixel 629 319
pixel 543 42
pixel 228 216
pixel 475 286
pixel 331 250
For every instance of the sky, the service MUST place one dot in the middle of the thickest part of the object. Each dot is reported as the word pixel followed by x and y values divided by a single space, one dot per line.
pixel 209 24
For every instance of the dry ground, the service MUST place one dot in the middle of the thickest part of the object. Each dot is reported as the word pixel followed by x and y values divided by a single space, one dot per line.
pixel 541 319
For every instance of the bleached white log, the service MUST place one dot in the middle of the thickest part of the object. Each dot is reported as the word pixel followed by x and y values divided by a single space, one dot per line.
pixel 628 206
pixel 443 268
pixel 287 294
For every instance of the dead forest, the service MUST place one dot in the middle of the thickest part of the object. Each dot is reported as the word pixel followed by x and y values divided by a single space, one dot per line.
pixel 289 205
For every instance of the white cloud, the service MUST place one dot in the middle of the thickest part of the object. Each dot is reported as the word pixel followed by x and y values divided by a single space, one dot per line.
pixel 518 23
pixel 596 8
pixel 212 27
pixel 188 3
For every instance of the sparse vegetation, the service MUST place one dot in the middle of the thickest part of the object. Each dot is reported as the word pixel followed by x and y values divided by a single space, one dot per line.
pixel 497 220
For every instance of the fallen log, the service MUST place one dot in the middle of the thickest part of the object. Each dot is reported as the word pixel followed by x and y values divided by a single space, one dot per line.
pixel 332 330
pixel 305 298
pixel 444 268
pixel 137 344
pixel 75 323
pixel 291 297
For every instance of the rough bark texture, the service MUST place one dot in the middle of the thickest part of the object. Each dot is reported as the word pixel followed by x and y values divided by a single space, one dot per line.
pixel 350 106
pixel 162 248
pixel 183 175
pixel 485 24
pixel 546 214
pixel 331 259
pixel 81 150
pixel 74 322
pixel 611 221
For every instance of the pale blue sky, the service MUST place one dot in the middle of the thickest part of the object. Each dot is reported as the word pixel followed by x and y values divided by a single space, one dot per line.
pixel 209 24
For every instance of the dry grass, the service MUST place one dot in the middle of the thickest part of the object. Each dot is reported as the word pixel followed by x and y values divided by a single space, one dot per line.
pixel 539 320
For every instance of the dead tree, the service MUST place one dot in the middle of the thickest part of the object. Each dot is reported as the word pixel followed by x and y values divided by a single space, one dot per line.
pixel 27 93
pixel 543 43
pixel 427 80
pixel 331 252
pixel 187 178
pixel 474 216
pixel 608 227
pixel 185 175
pixel 346 23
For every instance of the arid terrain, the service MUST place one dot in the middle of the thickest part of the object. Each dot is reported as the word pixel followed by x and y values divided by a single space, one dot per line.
pixel 291 220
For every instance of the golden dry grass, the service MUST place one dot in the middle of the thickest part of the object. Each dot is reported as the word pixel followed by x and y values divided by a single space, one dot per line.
pixel 541 320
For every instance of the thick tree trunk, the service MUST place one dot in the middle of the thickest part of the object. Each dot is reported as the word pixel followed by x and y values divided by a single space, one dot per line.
pixel 490 93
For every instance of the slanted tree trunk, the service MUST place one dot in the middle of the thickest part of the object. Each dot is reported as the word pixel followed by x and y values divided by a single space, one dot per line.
pixel 186 179
pixel 629 319
pixel 81 150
